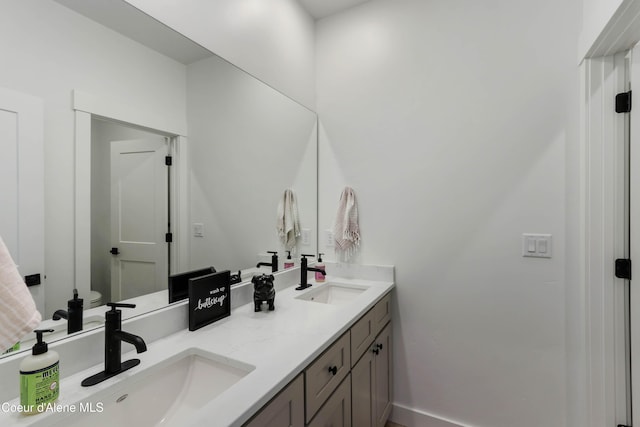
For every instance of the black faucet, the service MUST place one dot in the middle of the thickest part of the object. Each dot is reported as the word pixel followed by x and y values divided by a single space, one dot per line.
pixel 73 314
pixel 113 337
pixel 304 270
pixel 273 264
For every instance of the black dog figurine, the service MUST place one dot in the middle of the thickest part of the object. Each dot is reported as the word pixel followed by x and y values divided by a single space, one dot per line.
pixel 263 291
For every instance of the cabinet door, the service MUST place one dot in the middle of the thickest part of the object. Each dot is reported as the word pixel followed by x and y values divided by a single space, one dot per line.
pixel 325 374
pixel 383 378
pixel 285 410
pixel 362 392
pixel 336 412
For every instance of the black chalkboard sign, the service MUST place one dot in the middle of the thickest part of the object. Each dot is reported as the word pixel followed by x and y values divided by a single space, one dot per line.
pixel 209 299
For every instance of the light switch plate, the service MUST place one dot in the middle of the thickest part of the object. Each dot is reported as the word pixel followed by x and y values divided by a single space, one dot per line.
pixel 536 245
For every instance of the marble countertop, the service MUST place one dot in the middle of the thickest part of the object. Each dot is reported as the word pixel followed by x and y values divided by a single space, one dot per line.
pixel 280 344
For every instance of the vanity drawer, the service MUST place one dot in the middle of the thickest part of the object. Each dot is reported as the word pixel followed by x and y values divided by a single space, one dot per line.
pixel 382 313
pixel 325 374
pixel 363 332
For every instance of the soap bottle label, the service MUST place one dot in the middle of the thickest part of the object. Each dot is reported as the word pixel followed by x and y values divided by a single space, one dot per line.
pixel 39 387
pixel 15 347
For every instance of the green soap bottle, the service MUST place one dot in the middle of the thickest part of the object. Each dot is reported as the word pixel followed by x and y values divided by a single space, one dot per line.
pixel 39 377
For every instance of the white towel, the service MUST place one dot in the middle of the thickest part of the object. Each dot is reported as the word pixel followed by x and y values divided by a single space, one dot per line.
pixel 18 313
pixel 346 231
pixel 288 223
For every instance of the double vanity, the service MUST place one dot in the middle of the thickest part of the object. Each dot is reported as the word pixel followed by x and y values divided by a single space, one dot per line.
pixel 319 352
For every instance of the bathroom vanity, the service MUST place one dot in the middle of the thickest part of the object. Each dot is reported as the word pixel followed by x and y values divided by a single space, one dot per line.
pixel 323 354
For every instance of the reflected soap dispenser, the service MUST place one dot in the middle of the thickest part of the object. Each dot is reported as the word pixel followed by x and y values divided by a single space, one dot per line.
pixel 320 265
pixel 288 263
pixel 39 377
pixel 75 310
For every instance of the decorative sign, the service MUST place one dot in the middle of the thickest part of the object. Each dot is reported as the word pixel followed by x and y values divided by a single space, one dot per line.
pixel 209 299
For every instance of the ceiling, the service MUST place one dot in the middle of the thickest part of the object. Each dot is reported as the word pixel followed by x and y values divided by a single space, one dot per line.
pixel 321 8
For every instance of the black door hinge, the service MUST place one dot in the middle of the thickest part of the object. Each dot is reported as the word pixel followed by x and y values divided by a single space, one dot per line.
pixel 168 237
pixel 32 280
pixel 623 102
pixel 623 268
pixel 168 160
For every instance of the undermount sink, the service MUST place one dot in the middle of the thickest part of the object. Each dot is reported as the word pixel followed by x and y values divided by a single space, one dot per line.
pixel 333 293
pixel 163 395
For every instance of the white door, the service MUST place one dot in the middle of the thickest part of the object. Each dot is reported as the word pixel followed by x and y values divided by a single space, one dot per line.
pixel 139 217
pixel 22 185
pixel 634 237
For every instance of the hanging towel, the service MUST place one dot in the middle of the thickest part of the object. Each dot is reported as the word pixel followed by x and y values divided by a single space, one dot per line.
pixel 346 231
pixel 18 313
pixel 288 223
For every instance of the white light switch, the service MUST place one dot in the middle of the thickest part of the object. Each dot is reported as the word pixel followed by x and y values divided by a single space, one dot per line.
pixel 198 230
pixel 536 245
pixel 305 236
pixel 328 238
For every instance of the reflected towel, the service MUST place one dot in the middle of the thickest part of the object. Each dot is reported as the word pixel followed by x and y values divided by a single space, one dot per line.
pixel 346 231
pixel 18 313
pixel 288 223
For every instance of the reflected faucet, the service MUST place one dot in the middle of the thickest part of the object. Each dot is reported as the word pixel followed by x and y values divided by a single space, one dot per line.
pixel 273 264
pixel 73 314
pixel 113 337
pixel 304 270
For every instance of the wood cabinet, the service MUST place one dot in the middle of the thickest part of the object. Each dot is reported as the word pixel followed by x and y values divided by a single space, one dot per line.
pixel 284 410
pixel 349 384
pixel 324 374
pixel 372 383
pixel 363 332
pixel 336 412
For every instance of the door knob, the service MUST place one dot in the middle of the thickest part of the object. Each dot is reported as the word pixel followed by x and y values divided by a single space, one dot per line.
pixel 114 251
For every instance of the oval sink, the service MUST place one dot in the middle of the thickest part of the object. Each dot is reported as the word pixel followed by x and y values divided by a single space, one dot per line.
pixel 163 395
pixel 333 293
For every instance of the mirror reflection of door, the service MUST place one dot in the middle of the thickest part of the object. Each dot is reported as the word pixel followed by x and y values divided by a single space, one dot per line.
pixel 130 256
pixel 22 184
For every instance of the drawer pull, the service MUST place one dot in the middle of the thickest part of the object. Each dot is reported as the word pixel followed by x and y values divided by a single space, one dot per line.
pixel 333 369
pixel 375 351
pixel 379 346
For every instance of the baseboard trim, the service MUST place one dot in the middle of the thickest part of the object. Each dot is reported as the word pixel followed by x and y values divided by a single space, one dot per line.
pixel 416 418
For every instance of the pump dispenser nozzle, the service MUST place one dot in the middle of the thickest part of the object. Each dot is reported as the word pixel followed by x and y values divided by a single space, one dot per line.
pixel 40 347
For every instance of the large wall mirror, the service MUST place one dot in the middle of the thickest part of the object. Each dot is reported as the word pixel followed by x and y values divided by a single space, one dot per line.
pixel 120 91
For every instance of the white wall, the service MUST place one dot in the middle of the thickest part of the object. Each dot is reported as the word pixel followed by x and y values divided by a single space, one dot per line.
pixel 452 121
pixel 596 14
pixel 47 51
pixel 248 143
pixel 270 39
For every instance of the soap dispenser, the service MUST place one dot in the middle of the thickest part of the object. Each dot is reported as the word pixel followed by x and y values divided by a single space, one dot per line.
pixel 39 377
pixel 74 307
pixel 320 266
pixel 288 263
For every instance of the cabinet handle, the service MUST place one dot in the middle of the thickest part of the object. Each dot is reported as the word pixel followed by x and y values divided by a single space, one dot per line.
pixel 375 351
pixel 333 369
pixel 379 346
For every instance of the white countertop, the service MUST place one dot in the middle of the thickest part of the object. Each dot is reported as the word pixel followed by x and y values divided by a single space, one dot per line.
pixel 280 344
